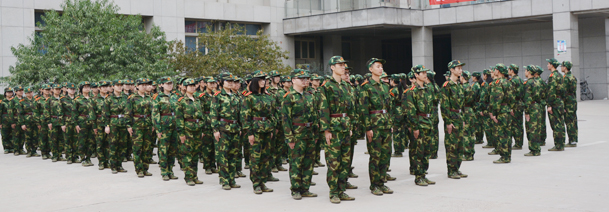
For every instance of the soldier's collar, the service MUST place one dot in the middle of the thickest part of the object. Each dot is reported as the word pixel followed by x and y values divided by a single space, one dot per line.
pixel 372 82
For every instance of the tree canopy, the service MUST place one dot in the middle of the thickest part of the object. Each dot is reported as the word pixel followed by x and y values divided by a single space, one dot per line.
pixel 89 40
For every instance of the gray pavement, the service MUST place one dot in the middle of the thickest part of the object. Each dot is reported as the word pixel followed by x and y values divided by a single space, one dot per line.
pixel 573 180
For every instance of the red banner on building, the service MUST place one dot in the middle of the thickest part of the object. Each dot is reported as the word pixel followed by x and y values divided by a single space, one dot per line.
pixel 439 2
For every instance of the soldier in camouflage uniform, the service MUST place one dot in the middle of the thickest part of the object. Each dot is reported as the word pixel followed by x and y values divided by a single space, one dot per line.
pixel 299 115
pixel 224 113
pixel 483 108
pixel 116 118
pixel 556 108
pixel 516 88
pixel 139 107
pixel 570 102
pixel 281 151
pixel 17 135
pixel 314 88
pixel 242 148
pixel 6 120
pixel 69 128
pixel 453 99
pixel 259 120
pixel 189 121
pixel 418 106
pixel 477 119
pixel 544 103
pixel 208 146
pixel 353 96
pixel 27 120
pixel 376 106
pixel 85 123
pixel 45 146
pixel 163 120
pixel 336 110
pixel 54 117
pixel 435 138
pixel 532 110
pixel 499 111
pixel 101 139
pixel 127 146
pixel 400 139
pixel 468 117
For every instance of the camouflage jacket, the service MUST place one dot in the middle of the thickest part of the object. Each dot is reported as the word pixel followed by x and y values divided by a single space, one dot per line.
pixel 570 85
pixel 354 97
pixel 115 111
pixel 13 112
pixel 532 95
pixel 543 89
pixel 555 90
pixel 98 110
pixel 376 105
pixel 299 116
pixel 262 108
pixel 336 107
pixel 53 111
pixel 316 100
pixel 85 111
pixel 500 98
pixel 516 94
pixel 402 105
pixel 469 96
pixel 41 104
pixel 189 116
pixel 206 99
pixel 396 103
pixel 140 111
pixel 4 109
pixel 163 108
pixel 225 112
pixel 27 112
pixel 482 104
pixel 418 107
pixel 476 90
pixel 70 114
pixel 452 104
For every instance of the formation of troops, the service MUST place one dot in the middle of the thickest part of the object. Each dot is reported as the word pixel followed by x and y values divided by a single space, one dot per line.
pixel 266 120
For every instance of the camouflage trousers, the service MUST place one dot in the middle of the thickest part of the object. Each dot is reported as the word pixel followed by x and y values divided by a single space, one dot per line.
pixel 102 146
pixel 7 142
pixel 70 142
pixel 116 138
pixel 191 149
pixel 503 135
pixel 142 143
pixel 533 128
pixel 127 147
pixel 17 138
pixel 469 129
pixel 571 121
pixel 352 142
pixel 516 128
pixel 337 159
pixel 30 135
pixel 56 141
pixel 167 151
pixel 488 130
pixel 242 151
pixel 86 142
pixel 420 151
pixel 301 165
pixel 454 144
pixel 544 130
pixel 557 123
pixel 43 138
pixel 227 151
pixel 318 146
pixel 208 150
pixel 478 127
pixel 260 156
pixel 379 149
pixel 278 149
pixel 435 133
pixel 400 140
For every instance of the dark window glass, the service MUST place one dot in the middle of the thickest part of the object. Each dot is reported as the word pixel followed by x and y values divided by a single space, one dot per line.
pixel 202 25
pixel 191 44
pixel 311 49
pixel 305 49
pixel 38 18
pixel 252 29
pixel 191 26
pixel 346 48
pixel 297 49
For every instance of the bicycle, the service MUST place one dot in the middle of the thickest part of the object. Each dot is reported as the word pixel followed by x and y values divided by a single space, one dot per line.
pixel 585 92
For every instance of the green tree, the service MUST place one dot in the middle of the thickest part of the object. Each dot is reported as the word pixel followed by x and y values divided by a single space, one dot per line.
pixel 90 41
pixel 229 49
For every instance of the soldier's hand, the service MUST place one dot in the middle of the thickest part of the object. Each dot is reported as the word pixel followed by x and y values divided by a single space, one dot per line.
pixel 450 128
pixel 0 126
pixel 328 135
pixel 251 139
pixel 182 138
pixel 495 119
pixel 512 112
pixel 130 130
pixel 95 131
pixel 350 133
pixel 550 110
pixel 63 128
pixel 416 134
pixel 369 134
pixel 78 129
pixel 526 116
pixel 202 135
pixel 50 126
pixel 217 136
pixel 159 135
pixel 291 145
pixel 13 126
pixel 39 127
pixel 23 127
pixel 107 130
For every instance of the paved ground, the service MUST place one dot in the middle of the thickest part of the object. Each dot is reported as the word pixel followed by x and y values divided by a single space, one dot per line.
pixel 574 180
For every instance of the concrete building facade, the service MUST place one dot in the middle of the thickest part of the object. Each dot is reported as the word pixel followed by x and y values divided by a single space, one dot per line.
pixel 405 32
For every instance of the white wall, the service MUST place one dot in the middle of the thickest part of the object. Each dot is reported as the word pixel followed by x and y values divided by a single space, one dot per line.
pixel 593 55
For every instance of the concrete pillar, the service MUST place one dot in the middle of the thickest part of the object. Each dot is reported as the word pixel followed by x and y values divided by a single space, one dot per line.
pixel 332 46
pixel 422 47
pixel 607 52
pixel 565 25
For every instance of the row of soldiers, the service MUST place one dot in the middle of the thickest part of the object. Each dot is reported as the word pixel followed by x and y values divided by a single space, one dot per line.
pixel 266 119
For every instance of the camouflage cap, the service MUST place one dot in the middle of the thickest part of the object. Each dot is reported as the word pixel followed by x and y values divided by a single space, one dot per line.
pixel 336 59
pixel 210 79
pixel 153 82
pixel 395 77
pixel 418 69
pixel 18 88
pixel 46 86
pixel 188 82
pixel 476 74
pixel 447 74
pixel 118 82
pixel 300 73
pixel 347 67
pixel 432 73
pixel 249 77
pixel 501 68
pixel 258 74
pixel 180 80
pixel 142 81
pixel 466 74
pixel 8 89
pixel 539 70
pixel 410 75
pixel 553 61
pixel 83 83
pixel 28 89
pixel 455 63
pixel 286 79
pixel 384 74
pixel 567 64
pixel 103 83
pixel 374 60
pixel 315 77
pixel 94 85
pixel 486 71
pixel 57 85
pixel 514 67
pixel 274 73
pixel 359 77
pixel 368 75
pixel 128 82
pixel 164 80
pixel 70 85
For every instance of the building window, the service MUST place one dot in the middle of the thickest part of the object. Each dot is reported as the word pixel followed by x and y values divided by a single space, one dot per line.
pixel 192 44
pixel 201 26
pixel 346 50
pixel 304 49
